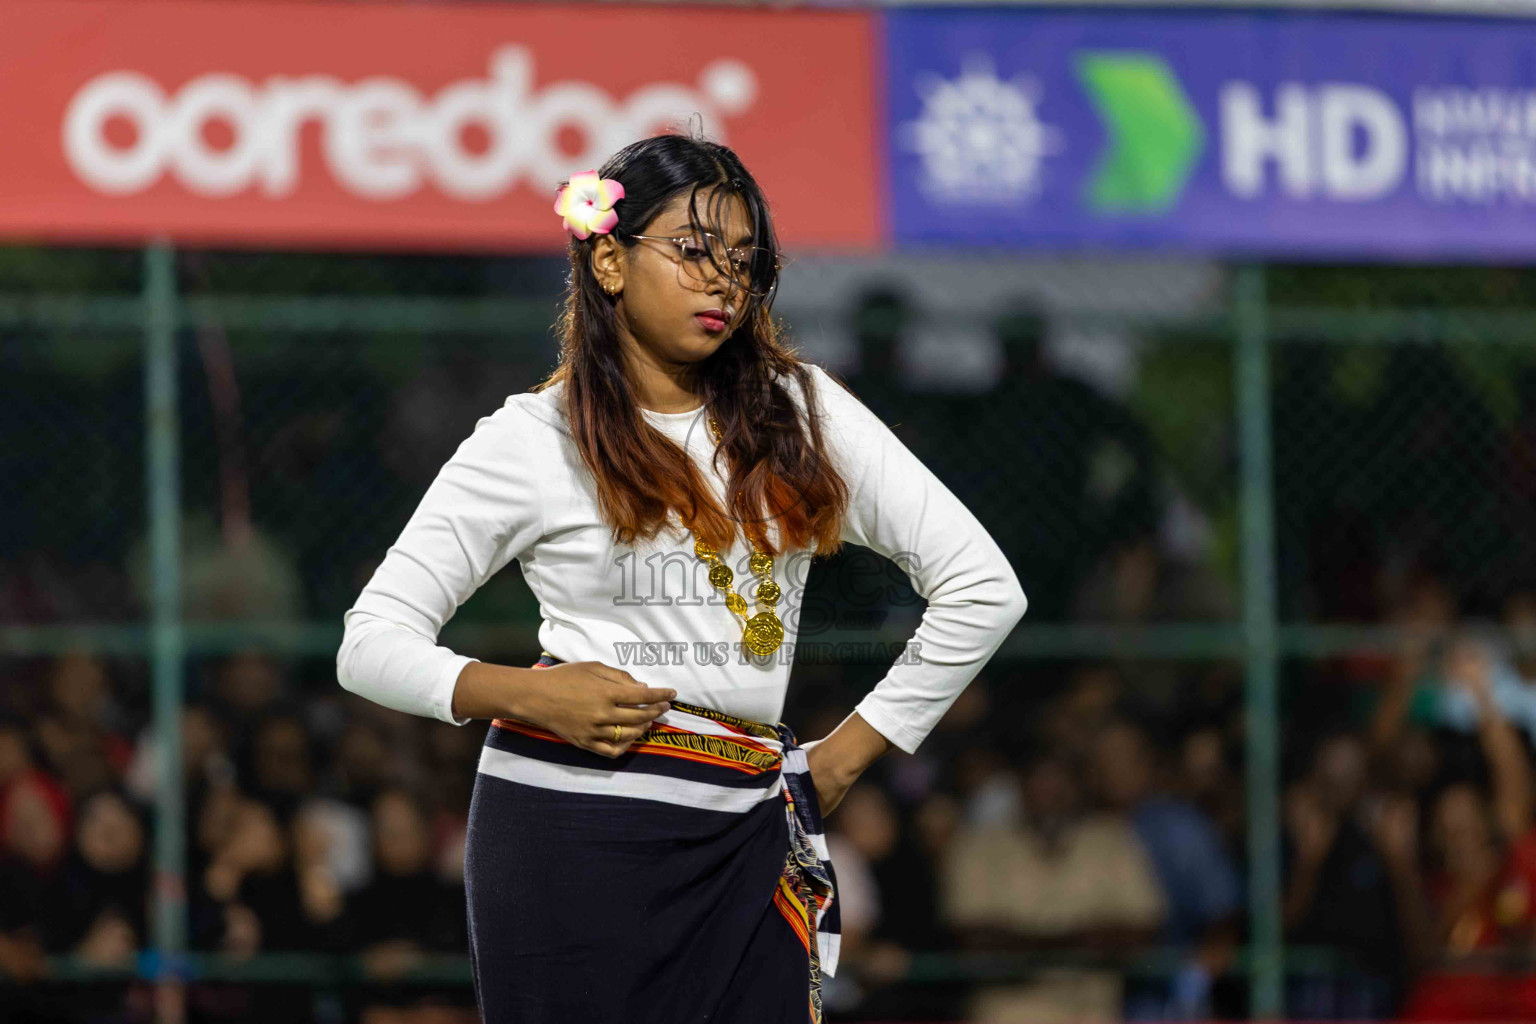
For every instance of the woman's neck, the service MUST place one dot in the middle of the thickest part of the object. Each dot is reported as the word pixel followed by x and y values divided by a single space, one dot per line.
pixel 661 390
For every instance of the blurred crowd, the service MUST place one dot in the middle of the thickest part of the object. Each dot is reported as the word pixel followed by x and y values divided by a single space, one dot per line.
pixel 1410 837
pixel 1082 829
pixel 1105 823
pixel 316 822
pixel 1074 830
pixel 1096 823
pixel 320 822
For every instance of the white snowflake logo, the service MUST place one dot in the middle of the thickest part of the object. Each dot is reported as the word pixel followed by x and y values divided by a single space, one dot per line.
pixel 978 135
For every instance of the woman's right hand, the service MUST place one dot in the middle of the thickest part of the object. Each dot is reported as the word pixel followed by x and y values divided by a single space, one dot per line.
pixel 581 702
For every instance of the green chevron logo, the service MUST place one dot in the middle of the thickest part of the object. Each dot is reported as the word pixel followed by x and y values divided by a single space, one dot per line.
pixel 1155 136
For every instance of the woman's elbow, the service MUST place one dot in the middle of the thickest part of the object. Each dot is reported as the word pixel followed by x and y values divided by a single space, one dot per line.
pixel 1014 602
pixel 344 661
pixel 349 657
pixel 993 602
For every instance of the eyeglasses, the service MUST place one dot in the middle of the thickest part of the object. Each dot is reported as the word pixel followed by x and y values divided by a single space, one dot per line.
pixel 752 268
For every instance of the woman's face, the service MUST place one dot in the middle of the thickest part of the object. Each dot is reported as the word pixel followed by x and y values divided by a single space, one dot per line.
pixel 661 294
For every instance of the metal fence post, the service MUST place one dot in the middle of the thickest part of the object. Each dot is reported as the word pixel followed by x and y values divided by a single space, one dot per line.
pixel 162 450
pixel 1260 631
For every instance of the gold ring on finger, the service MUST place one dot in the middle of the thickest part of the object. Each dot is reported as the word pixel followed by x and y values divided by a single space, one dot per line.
pixel 618 733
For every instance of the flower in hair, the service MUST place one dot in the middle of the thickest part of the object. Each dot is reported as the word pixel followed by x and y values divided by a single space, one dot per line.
pixel 586 204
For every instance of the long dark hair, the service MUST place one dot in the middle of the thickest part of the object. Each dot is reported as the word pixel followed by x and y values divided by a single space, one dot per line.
pixel 778 468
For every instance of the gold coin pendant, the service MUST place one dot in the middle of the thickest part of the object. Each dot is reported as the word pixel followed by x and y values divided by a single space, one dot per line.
pixel 763 634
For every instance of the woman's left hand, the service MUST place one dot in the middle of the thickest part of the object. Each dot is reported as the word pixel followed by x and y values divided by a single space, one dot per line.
pixel 826 777
pixel 837 760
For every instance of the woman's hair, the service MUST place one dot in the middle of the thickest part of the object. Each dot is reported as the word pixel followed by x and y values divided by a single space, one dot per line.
pixel 778 470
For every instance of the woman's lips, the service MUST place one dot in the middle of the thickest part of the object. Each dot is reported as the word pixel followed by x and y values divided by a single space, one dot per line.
pixel 712 322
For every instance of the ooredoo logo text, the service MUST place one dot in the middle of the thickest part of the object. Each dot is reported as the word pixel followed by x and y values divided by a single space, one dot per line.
pixel 381 137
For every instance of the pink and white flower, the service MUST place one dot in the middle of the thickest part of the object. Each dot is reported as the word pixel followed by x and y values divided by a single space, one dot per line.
pixel 586 204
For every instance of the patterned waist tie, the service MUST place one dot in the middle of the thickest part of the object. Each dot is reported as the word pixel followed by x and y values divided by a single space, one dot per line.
pixel 807 886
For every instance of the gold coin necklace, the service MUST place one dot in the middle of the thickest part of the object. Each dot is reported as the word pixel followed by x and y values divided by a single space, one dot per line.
pixel 762 633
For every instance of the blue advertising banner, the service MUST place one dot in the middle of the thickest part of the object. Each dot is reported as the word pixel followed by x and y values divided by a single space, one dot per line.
pixel 1296 134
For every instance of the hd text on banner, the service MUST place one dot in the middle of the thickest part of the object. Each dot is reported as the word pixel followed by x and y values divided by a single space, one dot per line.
pixel 409 125
pixel 1285 133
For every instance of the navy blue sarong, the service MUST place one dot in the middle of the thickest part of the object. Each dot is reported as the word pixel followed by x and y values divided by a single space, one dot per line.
pixel 686 881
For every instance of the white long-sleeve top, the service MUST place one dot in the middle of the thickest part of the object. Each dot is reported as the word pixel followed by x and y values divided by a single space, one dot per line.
pixel 516 488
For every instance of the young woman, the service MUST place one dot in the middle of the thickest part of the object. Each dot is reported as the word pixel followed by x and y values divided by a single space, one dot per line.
pixel 645 845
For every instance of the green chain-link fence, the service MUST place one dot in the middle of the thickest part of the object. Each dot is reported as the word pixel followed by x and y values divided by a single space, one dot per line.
pixel 207 454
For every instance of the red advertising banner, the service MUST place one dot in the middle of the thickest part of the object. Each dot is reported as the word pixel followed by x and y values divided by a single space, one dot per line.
pixel 411 126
